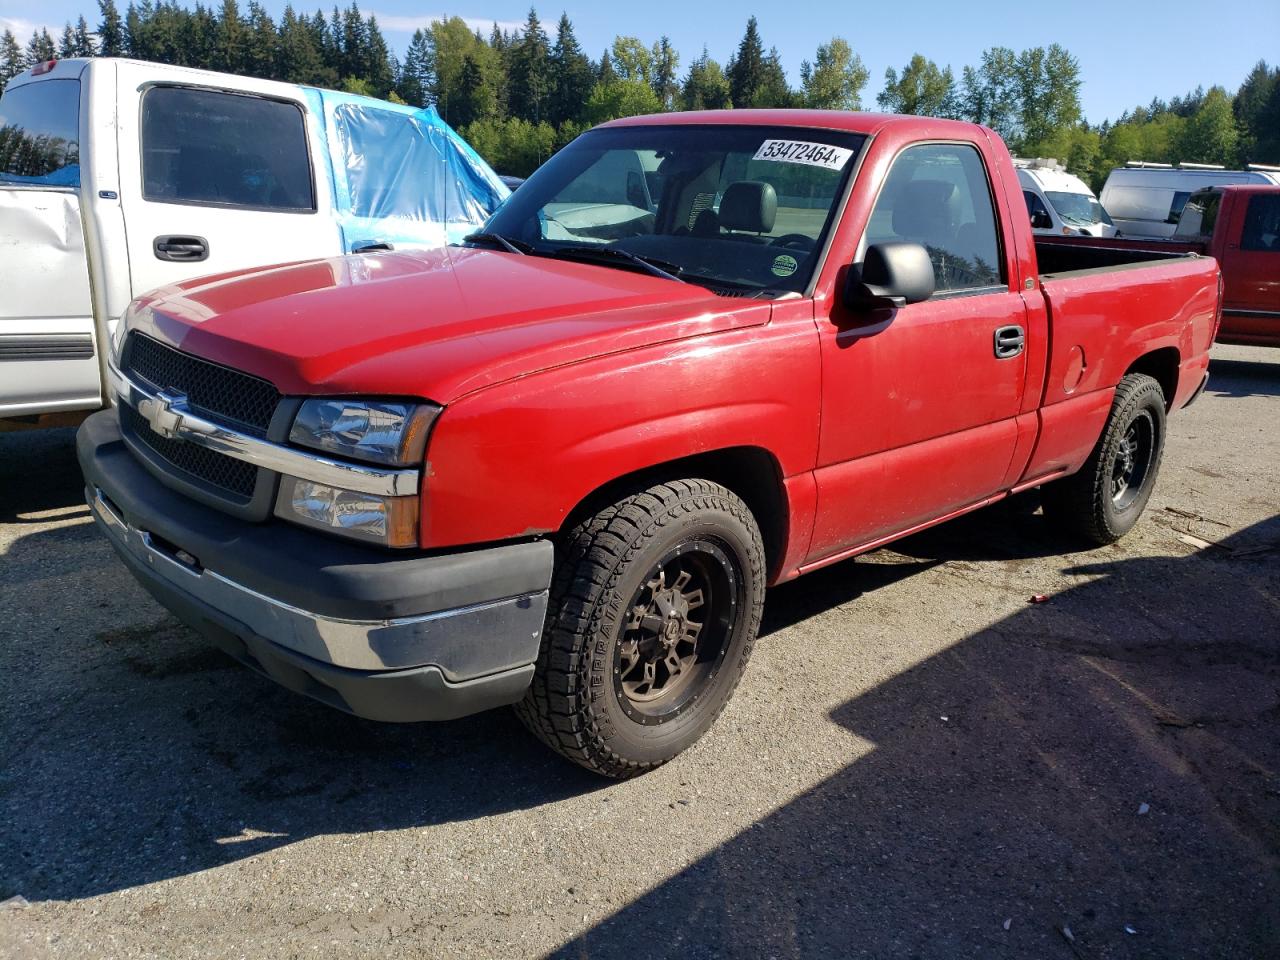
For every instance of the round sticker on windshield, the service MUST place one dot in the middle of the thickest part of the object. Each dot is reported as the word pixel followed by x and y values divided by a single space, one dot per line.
pixel 784 265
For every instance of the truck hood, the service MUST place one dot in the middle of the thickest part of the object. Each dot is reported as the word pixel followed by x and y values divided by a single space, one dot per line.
pixel 435 324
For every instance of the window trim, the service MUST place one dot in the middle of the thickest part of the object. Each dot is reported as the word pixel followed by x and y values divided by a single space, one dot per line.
pixel 219 204
pixel 1006 283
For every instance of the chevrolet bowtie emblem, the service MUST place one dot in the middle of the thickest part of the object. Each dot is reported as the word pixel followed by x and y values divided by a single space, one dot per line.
pixel 164 412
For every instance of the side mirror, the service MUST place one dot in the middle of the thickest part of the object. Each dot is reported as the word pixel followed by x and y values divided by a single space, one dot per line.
pixel 890 275
pixel 1041 221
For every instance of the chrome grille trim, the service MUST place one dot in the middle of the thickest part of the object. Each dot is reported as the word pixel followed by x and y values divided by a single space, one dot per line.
pixel 181 423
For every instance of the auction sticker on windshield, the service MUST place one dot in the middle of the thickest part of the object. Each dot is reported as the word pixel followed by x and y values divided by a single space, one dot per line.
pixel 799 151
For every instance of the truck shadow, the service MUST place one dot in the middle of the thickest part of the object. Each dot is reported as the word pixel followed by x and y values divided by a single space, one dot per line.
pixel 1007 781
pixel 1243 378
pixel 39 473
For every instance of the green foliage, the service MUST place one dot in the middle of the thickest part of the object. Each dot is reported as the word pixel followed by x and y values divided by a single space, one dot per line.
pixel 922 89
pixel 519 96
pixel 705 86
pixel 835 79
pixel 621 98
pixel 512 145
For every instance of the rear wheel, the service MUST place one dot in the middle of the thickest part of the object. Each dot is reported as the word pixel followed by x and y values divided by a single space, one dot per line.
pixel 654 611
pixel 1103 501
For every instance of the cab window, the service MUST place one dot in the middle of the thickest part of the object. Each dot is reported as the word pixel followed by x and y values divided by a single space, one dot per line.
pixel 1036 209
pixel 225 149
pixel 1262 225
pixel 937 195
pixel 39 134
pixel 1199 215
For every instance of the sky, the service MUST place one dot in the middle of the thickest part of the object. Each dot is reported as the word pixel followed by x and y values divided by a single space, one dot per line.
pixel 1128 52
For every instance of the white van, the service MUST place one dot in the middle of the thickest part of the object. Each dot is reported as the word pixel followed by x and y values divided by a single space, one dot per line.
pixel 118 176
pixel 1146 199
pixel 1060 203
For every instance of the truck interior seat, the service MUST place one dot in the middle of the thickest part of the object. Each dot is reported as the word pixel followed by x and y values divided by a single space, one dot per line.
pixel 749 206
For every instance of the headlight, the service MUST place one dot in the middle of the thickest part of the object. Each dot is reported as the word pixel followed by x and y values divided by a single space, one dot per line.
pixel 390 432
pixel 389 521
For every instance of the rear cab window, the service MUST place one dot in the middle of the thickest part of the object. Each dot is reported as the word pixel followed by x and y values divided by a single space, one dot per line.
pixel 1262 225
pixel 40 134
pixel 208 147
pixel 1199 215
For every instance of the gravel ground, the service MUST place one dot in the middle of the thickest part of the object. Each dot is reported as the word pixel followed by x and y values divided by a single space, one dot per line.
pixel 919 763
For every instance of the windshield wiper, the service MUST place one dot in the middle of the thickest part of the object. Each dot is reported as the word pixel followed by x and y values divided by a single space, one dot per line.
pixel 497 239
pixel 650 265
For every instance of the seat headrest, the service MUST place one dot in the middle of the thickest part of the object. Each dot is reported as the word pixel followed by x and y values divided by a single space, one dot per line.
pixel 749 205
pixel 922 208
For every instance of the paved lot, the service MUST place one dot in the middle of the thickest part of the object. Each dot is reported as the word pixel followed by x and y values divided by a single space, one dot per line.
pixel 920 763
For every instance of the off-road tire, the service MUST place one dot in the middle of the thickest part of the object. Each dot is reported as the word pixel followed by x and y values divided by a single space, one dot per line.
pixel 1083 506
pixel 574 705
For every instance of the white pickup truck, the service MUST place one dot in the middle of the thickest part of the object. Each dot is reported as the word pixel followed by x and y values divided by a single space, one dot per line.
pixel 118 177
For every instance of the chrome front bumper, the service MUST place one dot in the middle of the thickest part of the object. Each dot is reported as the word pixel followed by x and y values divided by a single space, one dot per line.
pixel 393 644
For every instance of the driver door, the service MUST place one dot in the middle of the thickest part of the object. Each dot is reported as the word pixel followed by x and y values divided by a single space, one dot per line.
pixel 919 407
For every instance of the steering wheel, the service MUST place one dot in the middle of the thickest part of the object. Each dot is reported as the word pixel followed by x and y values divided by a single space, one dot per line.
pixel 798 241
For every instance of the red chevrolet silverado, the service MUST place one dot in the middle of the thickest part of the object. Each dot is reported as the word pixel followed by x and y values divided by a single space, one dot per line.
pixel 1240 227
pixel 557 466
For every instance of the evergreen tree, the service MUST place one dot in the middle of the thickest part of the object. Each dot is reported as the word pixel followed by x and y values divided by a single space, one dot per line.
pixel 232 50
pixel 923 89
pixel 375 63
pixel 415 71
pixel 477 98
pixel 84 45
pixel 67 44
pixel 705 86
pixel 604 69
pixel 746 68
pixel 571 76
pixel 530 72
pixel 12 61
pixel 353 40
pixel 41 47
pixel 262 51
pixel 774 91
pixel 1257 142
pixel 665 63
pixel 111 39
pixel 835 79
pixel 298 57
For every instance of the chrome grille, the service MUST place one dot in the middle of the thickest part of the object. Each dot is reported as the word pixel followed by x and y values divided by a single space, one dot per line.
pixel 230 476
pixel 220 393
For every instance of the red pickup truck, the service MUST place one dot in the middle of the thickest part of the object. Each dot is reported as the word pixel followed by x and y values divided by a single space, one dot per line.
pixel 1240 227
pixel 557 466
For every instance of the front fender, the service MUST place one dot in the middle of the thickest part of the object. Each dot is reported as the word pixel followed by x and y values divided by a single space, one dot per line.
pixel 515 459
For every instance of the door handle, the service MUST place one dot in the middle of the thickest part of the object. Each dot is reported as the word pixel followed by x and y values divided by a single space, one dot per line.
pixel 181 249
pixel 373 246
pixel 1009 341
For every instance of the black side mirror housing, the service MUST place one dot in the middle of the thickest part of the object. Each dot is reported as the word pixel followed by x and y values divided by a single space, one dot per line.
pixel 891 275
pixel 1041 220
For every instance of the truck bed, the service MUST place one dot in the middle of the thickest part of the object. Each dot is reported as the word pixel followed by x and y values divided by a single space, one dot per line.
pixel 1058 256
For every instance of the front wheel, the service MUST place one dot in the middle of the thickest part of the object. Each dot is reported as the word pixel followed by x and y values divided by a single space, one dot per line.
pixel 654 610
pixel 1102 502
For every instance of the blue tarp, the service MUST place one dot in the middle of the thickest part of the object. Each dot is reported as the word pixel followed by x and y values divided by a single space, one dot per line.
pixel 401 175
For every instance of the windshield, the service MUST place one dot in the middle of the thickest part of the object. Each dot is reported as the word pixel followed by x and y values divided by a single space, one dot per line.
pixel 1078 208
pixel 739 208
